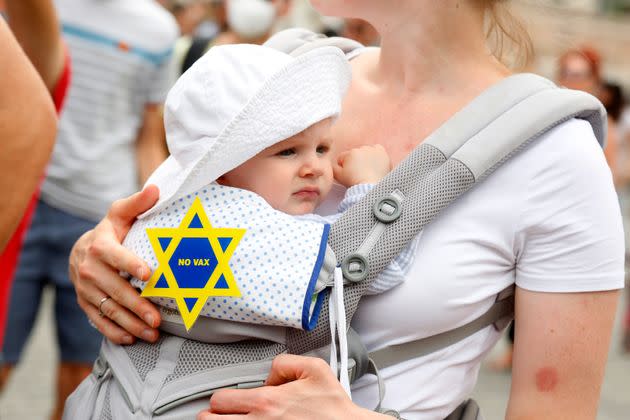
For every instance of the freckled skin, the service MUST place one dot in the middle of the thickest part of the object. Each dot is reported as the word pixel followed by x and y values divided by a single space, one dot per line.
pixel 546 379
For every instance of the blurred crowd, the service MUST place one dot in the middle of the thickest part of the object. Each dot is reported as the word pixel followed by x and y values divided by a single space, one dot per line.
pixel 111 64
pixel 205 23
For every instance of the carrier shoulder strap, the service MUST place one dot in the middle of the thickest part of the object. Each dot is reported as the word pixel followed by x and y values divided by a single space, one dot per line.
pixel 471 145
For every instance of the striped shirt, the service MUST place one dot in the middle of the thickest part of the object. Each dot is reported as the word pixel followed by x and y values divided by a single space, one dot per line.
pixel 122 61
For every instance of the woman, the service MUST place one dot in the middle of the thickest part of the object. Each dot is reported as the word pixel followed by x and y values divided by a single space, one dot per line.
pixel 542 220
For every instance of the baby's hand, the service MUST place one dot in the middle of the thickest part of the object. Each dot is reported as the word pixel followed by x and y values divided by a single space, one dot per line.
pixel 363 165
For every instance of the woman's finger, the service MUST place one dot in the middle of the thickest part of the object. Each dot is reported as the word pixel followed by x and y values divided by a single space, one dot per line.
pixel 99 281
pixel 303 388
pixel 290 367
pixel 123 212
pixel 205 415
pixel 105 326
pixel 255 401
pixel 117 315
pixel 128 320
pixel 108 249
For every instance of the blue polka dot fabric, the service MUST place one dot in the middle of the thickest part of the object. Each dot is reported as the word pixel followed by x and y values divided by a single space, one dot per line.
pixel 275 265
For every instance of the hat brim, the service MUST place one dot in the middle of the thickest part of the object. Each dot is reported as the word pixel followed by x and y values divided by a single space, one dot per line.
pixel 283 107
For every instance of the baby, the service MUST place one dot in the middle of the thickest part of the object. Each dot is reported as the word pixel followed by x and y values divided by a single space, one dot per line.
pixel 258 121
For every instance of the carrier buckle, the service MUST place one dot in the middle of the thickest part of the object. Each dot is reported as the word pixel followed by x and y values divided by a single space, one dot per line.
pixel 355 267
pixel 387 209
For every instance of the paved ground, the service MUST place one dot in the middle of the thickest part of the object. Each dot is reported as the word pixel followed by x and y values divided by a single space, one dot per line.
pixel 28 396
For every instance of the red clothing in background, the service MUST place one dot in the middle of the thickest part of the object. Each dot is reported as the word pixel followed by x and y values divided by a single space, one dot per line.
pixel 10 255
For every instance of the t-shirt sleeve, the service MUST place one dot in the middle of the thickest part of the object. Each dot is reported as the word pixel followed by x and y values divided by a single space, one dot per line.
pixel 570 237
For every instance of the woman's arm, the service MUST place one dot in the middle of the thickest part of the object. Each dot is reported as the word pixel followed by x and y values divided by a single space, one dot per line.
pixel 95 263
pixel 560 352
pixel 35 25
pixel 28 126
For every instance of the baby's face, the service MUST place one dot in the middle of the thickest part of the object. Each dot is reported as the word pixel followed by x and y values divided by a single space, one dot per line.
pixel 293 175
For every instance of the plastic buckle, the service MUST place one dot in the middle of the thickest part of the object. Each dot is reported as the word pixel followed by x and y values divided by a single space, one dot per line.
pixel 387 209
pixel 355 268
pixel 100 367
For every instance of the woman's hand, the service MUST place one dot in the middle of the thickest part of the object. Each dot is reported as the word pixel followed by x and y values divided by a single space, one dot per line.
pixel 298 387
pixel 95 262
pixel 362 165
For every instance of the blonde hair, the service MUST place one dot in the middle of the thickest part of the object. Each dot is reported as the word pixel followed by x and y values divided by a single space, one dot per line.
pixel 508 38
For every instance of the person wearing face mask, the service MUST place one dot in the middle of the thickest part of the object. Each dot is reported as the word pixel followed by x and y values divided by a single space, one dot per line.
pixel 250 21
pixel 240 22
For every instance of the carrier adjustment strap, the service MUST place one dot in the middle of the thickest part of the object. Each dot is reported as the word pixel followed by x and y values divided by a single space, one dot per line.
pixel 362 361
pixel 393 355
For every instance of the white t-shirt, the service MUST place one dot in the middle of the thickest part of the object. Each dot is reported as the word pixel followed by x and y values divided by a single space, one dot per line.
pixel 548 220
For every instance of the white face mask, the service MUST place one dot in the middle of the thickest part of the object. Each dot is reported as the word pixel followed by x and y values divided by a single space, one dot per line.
pixel 250 19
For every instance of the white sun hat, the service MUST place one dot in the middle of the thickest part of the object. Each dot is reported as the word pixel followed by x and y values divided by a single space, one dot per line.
pixel 236 101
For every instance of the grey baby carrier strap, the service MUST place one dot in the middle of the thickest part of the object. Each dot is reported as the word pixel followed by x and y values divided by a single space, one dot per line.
pixel 471 145
pixel 173 378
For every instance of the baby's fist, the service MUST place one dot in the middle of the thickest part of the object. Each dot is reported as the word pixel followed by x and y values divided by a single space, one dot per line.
pixel 362 165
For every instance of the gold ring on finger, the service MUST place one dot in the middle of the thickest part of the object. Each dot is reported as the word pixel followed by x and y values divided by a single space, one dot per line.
pixel 100 306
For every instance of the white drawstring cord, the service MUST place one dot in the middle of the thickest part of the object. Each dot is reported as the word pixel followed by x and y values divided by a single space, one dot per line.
pixel 338 330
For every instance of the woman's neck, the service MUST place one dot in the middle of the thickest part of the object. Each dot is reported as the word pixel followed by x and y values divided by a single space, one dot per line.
pixel 438 47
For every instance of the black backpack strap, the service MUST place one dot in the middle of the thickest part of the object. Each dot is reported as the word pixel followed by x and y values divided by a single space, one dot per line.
pixel 197 48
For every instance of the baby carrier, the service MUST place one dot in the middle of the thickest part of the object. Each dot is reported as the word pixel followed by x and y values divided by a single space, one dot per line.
pixel 174 378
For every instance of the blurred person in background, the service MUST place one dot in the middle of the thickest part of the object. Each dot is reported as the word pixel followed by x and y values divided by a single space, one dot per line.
pixel 581 69
pixel 619 113
pixel 251 21
pixel 238 21
pixel 199 21
pixel 34 24
pixel 624 135
pixel 110 139
pixel 189 14
pixel 27 137
pixel 611 95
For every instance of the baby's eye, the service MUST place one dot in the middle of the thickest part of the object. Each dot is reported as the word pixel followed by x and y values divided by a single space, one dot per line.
pixel 286 152
pixel 323 149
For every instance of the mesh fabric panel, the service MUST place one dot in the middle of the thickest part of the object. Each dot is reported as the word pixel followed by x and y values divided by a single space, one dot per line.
pixel 195 356
pixel 429 182
pixel 106 414
pixel 144 356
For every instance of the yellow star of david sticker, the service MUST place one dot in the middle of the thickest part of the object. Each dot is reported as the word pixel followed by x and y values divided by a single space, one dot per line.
pixel 193 262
